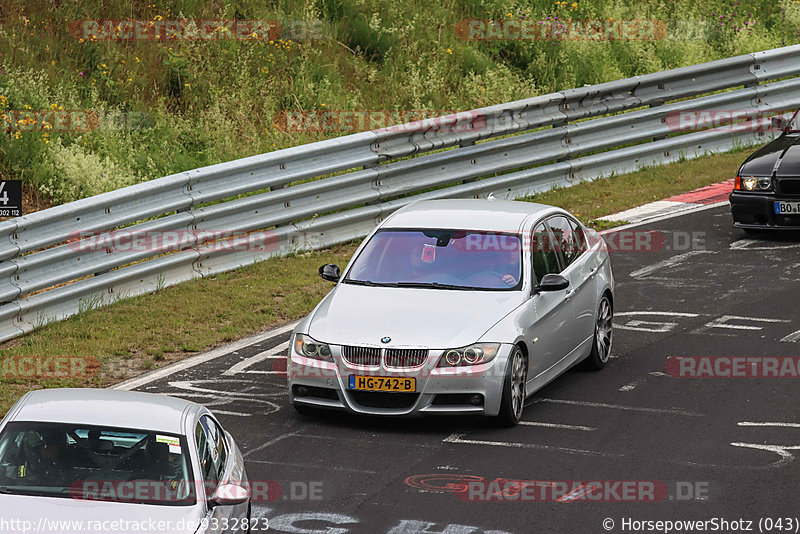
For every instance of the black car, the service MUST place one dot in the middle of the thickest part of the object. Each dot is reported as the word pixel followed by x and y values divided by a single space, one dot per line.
pixel 766 194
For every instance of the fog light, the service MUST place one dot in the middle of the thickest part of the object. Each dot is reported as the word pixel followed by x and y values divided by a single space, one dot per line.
pixel 302 391
pixel 477 400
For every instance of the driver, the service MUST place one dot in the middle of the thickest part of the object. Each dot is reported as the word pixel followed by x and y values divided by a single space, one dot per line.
pixel 48 464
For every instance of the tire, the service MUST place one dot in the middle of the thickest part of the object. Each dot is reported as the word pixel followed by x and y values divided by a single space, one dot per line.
pixel 603 336
pixel 513 401
pixel 249 526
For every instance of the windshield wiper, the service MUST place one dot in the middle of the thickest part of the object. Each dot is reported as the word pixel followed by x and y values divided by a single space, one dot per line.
pixel 431 285
pixel 359 282
pixel 31 491
pixel 368 283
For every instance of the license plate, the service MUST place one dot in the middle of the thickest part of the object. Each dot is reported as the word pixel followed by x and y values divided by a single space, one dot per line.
pixel 787 208
pixel 382 383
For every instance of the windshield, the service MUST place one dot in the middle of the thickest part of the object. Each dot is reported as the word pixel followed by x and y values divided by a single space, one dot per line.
pixel 440 259
pixel 95 463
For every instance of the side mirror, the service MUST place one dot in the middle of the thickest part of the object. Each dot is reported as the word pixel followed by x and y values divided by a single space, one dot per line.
pixel 330 272
pixel 779 123
pixel 551 282
pixel 228 495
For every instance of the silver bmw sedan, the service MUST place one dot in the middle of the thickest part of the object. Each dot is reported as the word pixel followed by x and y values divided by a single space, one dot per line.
pixel 456 306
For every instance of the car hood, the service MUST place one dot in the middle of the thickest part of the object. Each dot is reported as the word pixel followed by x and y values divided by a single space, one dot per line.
pixel 783 153
pixel 432 318
pixel 66 515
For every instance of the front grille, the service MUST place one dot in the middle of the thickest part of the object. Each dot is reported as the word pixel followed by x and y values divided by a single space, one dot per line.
pixel 406 357
pixel 362 355
pixel 789 187
pixel 379 399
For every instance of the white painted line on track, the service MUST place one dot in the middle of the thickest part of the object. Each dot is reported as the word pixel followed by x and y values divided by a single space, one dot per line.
pixel 792 338
pixel 788 425
pixel 313 466
pixel 274 352
pixel 190 386
pixel 365 441
pixel 203 358
pixel 669 262
pixel 664 217
pixel 669 314
pixel 459 438
pixel 786 457
pixel 722 322
pixel 671 411
pixel 558 425
pixel 651 211
pixel 274 440
pixel 226 412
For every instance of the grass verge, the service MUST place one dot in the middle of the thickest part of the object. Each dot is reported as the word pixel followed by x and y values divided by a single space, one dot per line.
pixel 150 331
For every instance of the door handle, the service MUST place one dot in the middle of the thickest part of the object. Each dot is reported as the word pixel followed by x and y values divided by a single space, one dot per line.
pixel 592 271
pixel 569 294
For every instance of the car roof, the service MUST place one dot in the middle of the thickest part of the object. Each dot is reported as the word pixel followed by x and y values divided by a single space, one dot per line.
pixel 105 407
pixel 467 214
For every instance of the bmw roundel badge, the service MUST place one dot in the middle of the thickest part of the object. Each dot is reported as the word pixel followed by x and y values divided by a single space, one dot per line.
pixel 385 339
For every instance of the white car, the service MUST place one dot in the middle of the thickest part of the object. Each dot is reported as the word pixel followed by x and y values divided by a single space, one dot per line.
pixel 456 306
pixel 126 461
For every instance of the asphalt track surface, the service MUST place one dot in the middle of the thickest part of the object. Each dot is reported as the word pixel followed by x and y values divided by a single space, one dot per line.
pixel 722 447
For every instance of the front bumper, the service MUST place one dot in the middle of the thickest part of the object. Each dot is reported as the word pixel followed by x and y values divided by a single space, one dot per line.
pixel 325 385
pixel 757 211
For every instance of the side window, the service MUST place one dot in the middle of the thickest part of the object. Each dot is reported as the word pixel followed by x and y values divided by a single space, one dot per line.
pixel 566 240
pixel 222 447
pixel 207 466
pixel 545 257
pixel 578 237
pixel 212 449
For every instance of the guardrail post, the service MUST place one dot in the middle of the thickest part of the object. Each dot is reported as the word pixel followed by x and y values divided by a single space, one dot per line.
pixel 658 137
pixel 464 144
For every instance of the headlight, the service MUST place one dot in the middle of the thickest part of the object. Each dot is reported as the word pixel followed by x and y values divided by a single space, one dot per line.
pixel 751 183
pixel 471 355
pixel 311 348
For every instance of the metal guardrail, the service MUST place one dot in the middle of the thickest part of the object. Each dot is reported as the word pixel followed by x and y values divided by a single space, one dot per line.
pixel 46 274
